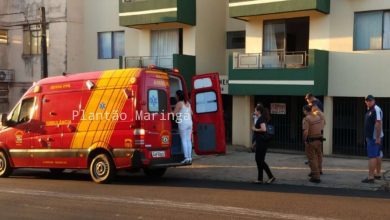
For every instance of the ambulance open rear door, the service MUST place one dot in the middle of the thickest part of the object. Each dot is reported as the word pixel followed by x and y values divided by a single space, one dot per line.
pixel 208 121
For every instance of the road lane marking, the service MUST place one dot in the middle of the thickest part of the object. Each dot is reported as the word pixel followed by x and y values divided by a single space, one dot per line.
pixel 198 207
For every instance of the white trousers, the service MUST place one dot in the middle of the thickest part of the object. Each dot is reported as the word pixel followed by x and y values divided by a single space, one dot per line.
pixel 185 131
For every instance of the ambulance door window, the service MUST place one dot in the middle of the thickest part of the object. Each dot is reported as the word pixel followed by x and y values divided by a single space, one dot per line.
pixel 14 116
pixel 206 102
pixel 157 101
pixel 26 110
pixel 23 112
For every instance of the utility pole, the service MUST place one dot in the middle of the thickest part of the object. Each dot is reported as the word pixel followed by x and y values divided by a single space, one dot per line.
pixel 44 68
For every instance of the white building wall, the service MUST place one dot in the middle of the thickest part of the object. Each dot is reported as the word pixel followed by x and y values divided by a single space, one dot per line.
pixel 74 38
pixel 355 73
pixel 210 36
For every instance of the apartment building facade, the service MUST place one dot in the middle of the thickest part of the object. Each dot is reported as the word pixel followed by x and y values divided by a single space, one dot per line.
pixel 337 50
pixel 272 51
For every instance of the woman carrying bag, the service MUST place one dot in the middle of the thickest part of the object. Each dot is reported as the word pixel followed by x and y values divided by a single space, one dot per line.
pixel 262 141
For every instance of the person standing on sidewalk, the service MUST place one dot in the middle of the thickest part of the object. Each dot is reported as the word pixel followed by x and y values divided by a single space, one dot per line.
pixel 255 117
pixel 183 113
pixel 312 100
pixel 317 111
pixel 262 141
pixel 374 138
pixel 312 126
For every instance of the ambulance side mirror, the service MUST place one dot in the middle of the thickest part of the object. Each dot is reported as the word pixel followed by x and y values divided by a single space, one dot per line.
pixel 4 120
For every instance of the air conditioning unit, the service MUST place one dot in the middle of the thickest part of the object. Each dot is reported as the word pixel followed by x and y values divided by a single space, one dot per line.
pixel 6 75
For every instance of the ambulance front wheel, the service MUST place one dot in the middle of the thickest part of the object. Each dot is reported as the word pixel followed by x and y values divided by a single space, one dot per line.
pixel 102 169
pixel 155 173
pixel 5 167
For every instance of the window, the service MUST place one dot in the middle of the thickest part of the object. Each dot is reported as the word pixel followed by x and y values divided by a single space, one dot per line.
pixel 206 102
pixel 111 44
pixel 22 112
pixel 3 37
pixel 157 101
pixel 372 30
pixel 236 40
pixel 32 37
pixel 165 42
pixel 290 35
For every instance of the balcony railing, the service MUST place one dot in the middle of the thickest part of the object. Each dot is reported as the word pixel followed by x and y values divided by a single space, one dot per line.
pixel 144 61
pixel 270 59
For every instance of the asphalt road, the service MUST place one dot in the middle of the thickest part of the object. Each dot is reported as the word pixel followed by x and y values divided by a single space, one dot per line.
pixel 39 195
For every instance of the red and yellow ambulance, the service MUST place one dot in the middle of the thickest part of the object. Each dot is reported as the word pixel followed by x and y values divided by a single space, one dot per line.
pixel 109 120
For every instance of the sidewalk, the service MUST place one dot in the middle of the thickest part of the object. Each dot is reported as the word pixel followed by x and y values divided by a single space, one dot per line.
pixel 239 166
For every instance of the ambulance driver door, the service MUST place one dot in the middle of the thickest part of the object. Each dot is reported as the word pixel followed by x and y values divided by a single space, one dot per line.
pixel 208 124
pixel 19 132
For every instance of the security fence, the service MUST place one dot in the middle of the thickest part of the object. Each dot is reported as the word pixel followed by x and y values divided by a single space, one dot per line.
pixel 348 125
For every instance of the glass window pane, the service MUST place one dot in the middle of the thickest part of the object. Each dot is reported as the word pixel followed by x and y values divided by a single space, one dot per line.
pixel 236 40
pixel 274 35
pixel 26 42
pixel 26 110
pixel 104 45
pixel 15 114
pixel 206 102
pixel 157 101
pixel 386 31
pixel 119 44
pixel 164 42
pixel 36 42
pixel 368 31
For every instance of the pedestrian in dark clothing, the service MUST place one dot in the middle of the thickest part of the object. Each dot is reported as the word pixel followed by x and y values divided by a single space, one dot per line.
pixel 255 117
pixel 262 142
pixel 312 100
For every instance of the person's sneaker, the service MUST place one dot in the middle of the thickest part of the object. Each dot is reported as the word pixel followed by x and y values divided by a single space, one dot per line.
pixel 367 180
pixel 314 180
pixel 377 177
pixel 306 162
pixel 271 180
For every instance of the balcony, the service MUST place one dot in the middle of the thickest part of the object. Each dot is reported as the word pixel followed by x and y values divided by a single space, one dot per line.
pixel 270 59
pixel 279 73
pixel 244 9
pixel 150 14
pixel 184 63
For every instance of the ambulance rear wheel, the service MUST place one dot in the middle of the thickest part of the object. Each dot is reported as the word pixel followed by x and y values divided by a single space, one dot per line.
pixel 155 173
pixel 5 167
pixel 102 169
